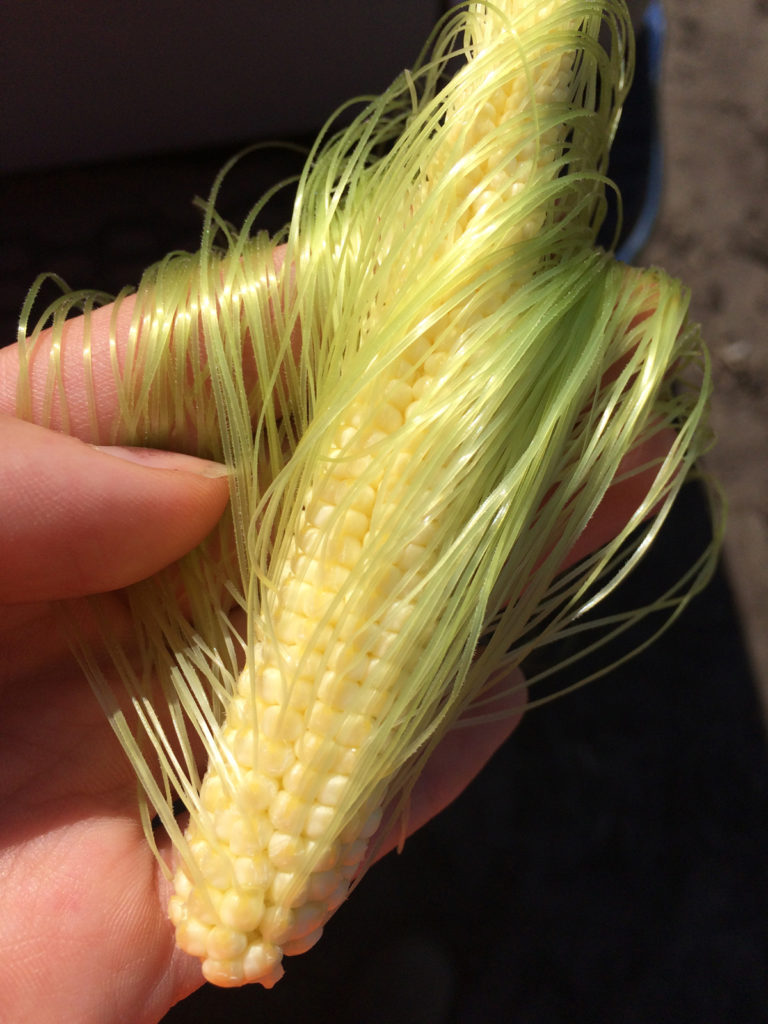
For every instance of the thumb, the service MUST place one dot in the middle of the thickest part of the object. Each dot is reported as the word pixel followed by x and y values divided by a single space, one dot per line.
pixel 75 520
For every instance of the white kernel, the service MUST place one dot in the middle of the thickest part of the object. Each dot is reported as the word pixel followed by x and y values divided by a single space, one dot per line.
pixel 371 823
pixel 332 790
pixel 318 821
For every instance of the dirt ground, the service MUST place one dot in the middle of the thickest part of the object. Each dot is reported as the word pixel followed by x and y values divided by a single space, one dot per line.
pixel 713 233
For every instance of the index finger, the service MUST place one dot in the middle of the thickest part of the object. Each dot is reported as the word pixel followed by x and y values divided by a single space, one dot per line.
pixel 71 384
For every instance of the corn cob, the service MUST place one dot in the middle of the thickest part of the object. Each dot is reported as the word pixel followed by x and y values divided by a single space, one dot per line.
pixel 278 840
pixel 472 373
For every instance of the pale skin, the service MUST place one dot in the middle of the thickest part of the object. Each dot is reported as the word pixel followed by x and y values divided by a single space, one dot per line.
pixel 84 934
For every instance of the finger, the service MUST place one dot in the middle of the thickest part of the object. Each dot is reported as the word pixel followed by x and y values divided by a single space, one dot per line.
pixel 634 482
pixel 76 520
pixel 83 361
pixel 459 757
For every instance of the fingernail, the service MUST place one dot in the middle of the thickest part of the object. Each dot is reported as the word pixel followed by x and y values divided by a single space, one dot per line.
pixel 155 458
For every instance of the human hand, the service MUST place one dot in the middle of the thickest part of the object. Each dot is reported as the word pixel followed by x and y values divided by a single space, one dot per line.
pixel 85 918
pixel 85 934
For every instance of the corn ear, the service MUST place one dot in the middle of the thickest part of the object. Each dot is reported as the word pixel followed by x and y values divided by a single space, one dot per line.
pixel 473 372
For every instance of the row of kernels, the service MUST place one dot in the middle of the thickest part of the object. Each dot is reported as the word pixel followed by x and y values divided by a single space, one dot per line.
pixel 346 728
pixel 298 630
pixel 281 722
pixel 249 836
pixel 333 491
pixel 318 572
pixel 255 872
pixel 215 866
pixel 301 598
pixel 274 689
pixel 288 813
pixel 349 521
pixel 260 962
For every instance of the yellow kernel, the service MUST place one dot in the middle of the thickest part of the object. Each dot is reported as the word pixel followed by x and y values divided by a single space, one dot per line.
pixel 245 748
pixel 325 720
pixel 242 912
pixel 301 781
pixel 226 973
pixel 282 723
pixel 214 866
pixel 249 836
pixel 315 747
pixel 271 686
pixel 331 792
pixel 261 963
pixel 286 851
pixel 288 813
pixel 253 872
pixel 337 691
pixel 318 821
pixel 256 792
pixel 286 891
pixel 224 821
pixel 354 730
pixel 276 924
pixel 388 417
pixel 212 793
pixel 223 943
pixel 192 937
pixel 398 394
pixel 275 757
